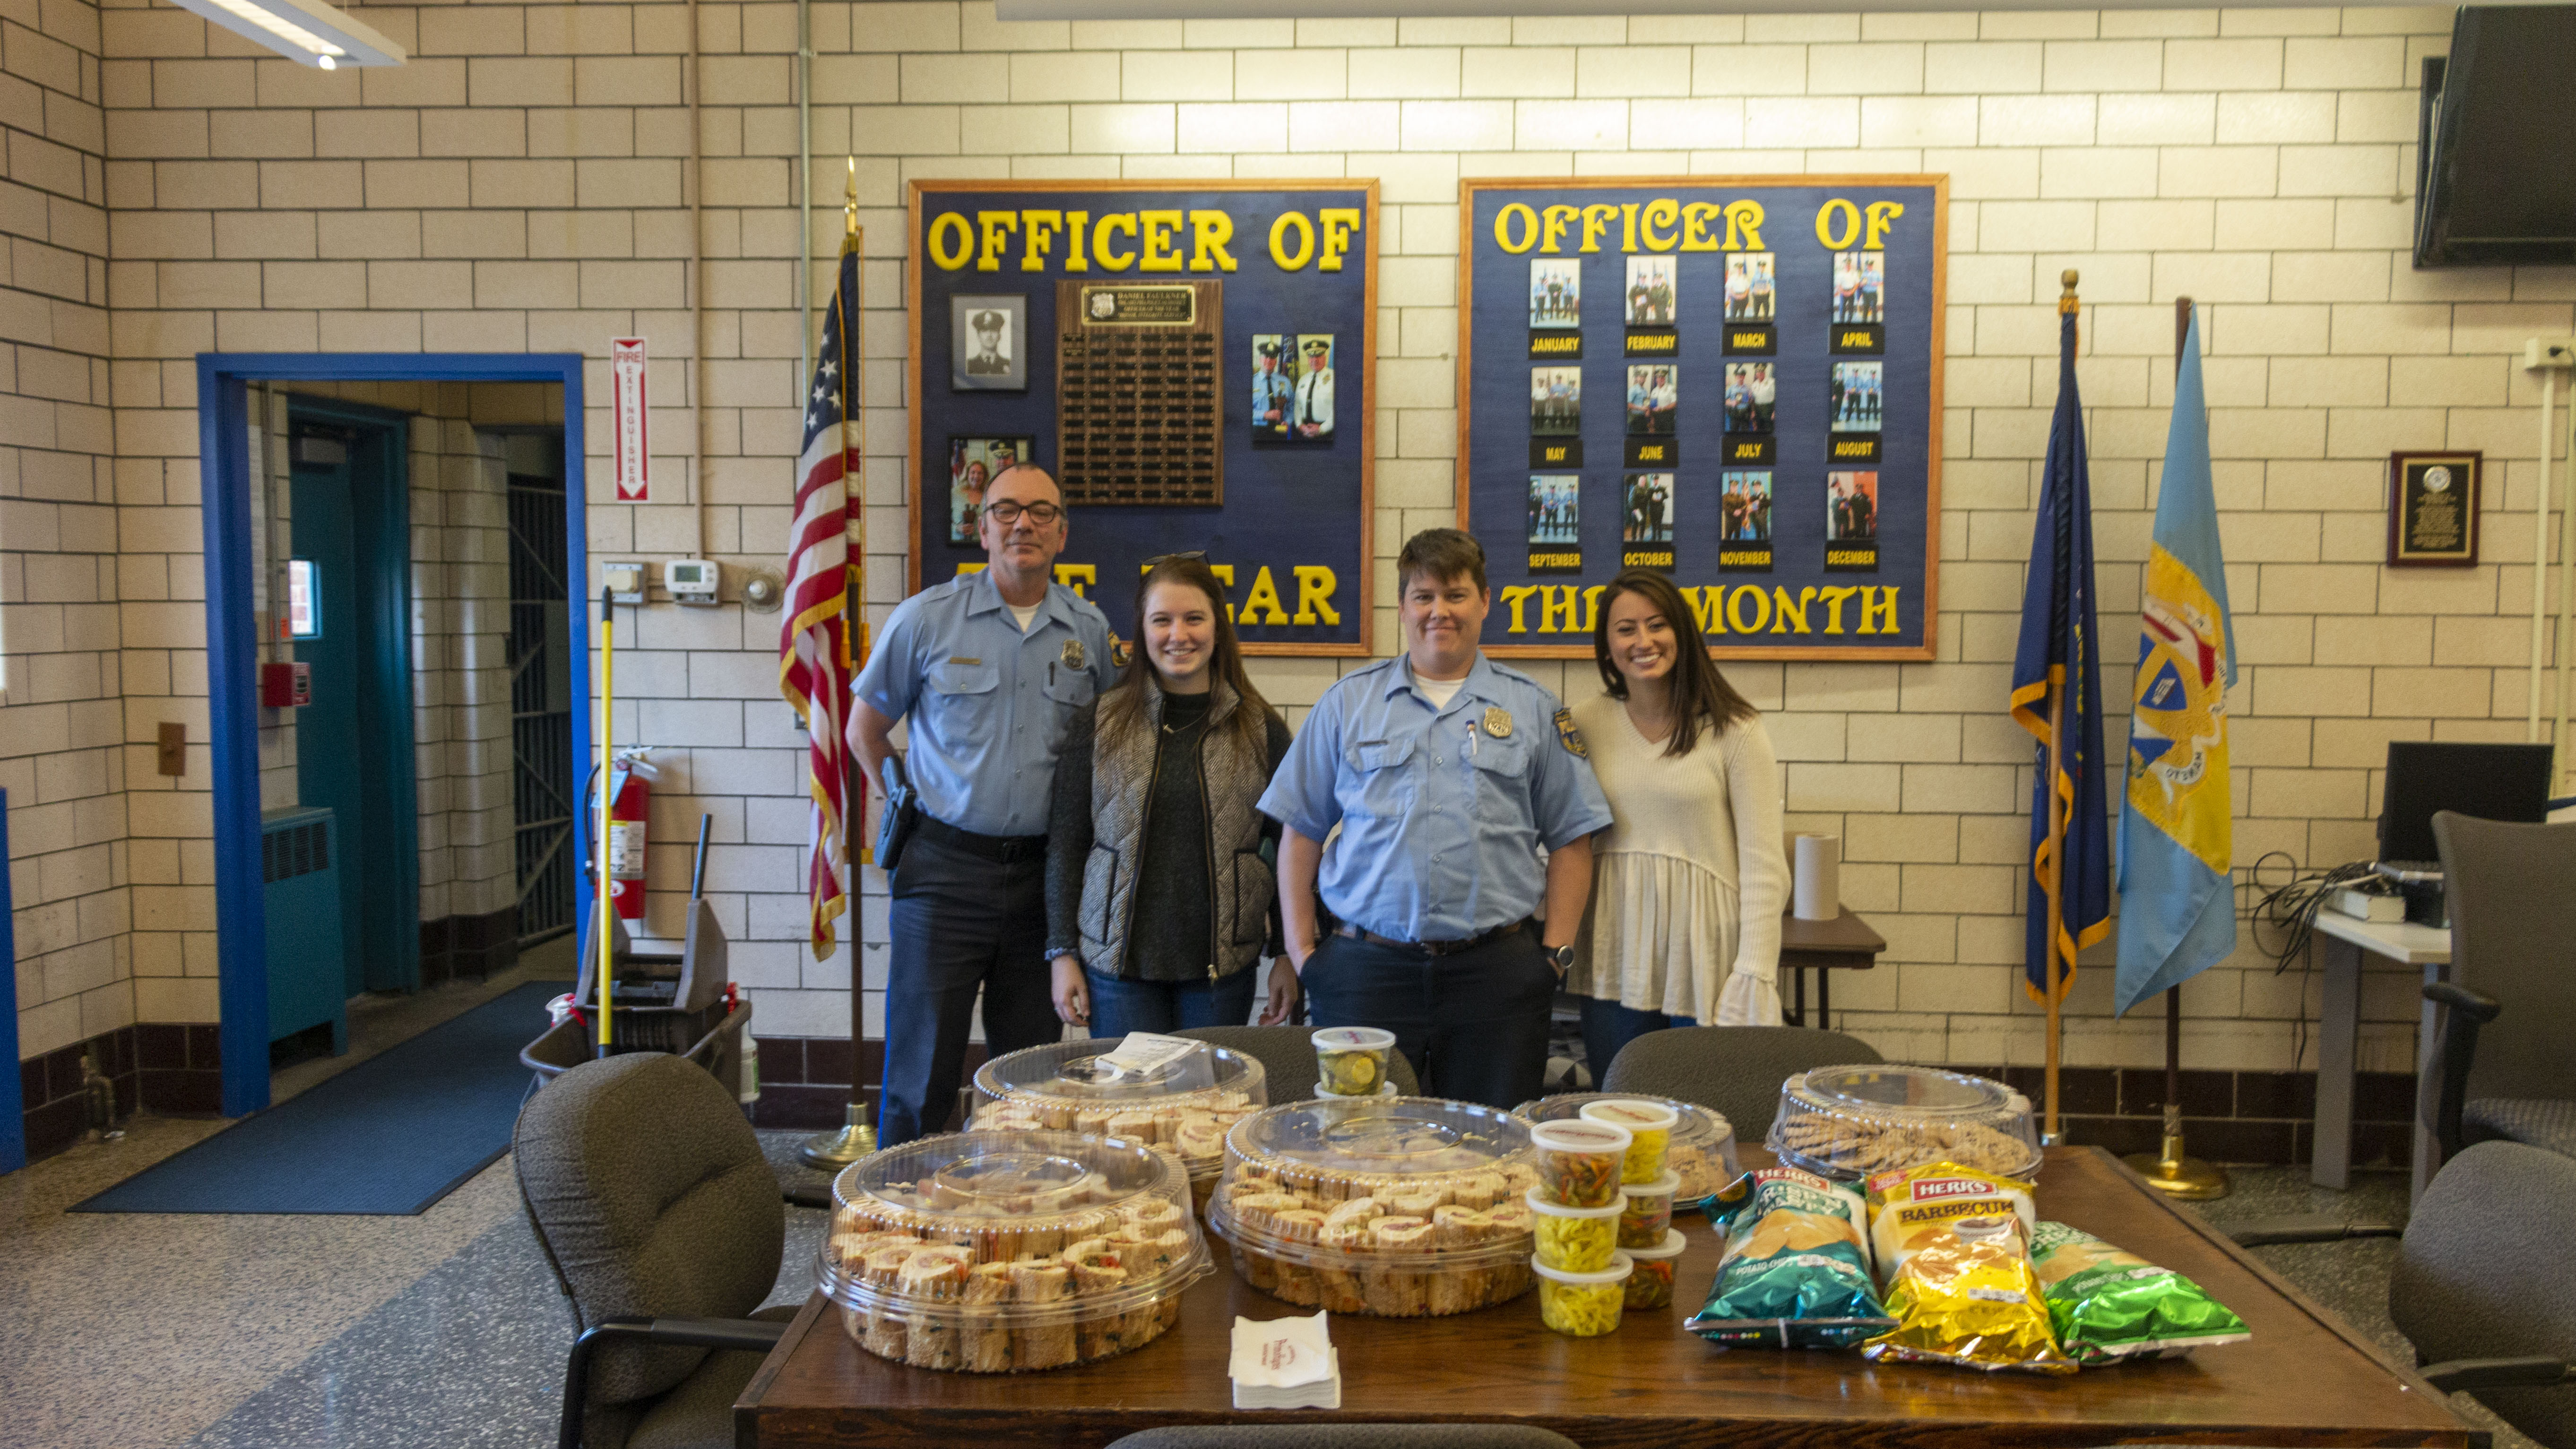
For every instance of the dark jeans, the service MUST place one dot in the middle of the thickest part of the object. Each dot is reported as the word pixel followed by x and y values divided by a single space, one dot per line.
pixel 1608 1026
pixel 1474 1025
pixel 961 924
pixel 1119 1007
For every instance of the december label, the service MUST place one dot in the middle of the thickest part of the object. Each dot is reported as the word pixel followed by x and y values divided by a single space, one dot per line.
pixel 1848 558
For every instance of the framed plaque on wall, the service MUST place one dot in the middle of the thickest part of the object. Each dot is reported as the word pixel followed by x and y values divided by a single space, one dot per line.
pixel 2433 509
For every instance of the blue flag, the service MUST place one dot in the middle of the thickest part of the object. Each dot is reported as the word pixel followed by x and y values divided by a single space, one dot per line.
pixel 2177 912
pixel 2058 665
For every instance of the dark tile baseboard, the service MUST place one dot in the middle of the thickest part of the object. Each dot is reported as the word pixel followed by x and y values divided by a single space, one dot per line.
pixel 458 947
pixel 805 1080
pixel 173 1068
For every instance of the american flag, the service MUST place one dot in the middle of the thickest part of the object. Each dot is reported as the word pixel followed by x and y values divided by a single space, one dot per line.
pixel 816 658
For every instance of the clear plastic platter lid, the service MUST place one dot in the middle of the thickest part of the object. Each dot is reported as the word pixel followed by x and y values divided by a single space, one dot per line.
pixel 1002 1252
pixel 1703 1143
pixel 1392 1206
pixel 1182 1103
pixel 1848 1122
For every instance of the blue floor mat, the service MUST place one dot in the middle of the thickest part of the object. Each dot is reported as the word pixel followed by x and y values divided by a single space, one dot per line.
pixel 389 1136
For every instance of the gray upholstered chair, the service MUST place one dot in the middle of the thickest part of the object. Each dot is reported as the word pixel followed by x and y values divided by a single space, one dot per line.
pixel 660 1217
pixel 1287 1057
pixel 1346 1436
pixel 2475 1289
pixel 1734 1070
pixel 2498 1068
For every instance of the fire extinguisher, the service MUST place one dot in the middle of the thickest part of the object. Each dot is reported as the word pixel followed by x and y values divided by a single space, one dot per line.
pixel 630 792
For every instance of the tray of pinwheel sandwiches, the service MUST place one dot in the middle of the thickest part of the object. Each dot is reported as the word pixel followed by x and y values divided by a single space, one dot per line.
pixel 1007 1252
pixel 1174 1095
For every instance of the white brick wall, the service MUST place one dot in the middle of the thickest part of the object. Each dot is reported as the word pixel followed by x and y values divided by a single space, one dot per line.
pixel 519 185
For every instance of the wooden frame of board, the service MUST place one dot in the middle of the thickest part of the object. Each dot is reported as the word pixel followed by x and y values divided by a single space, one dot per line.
pixel 913 393
pixel 1469 187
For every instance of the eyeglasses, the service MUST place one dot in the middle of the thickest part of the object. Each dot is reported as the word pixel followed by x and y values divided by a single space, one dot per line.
pixel 1196 555
pixel 1007 512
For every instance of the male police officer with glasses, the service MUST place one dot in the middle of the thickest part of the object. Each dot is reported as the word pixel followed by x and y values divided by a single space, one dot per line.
pixel 1446 772
pixel 991 668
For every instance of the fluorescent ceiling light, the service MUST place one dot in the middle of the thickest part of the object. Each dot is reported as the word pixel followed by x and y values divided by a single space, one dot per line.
pixel 301 30
pixel 1399 9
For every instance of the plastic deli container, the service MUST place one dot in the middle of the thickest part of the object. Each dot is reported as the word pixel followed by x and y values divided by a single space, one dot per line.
pixel 1650 1131
pixel 1398 1207
pixel 1583 1305
pixel 1183 1107
pixel 1321 1094
pixel 1578 1162
pixel 1702 1150
pixel 1576 1239
pixel 1005 1252
pixel 1849 1122
pixel 1646 1213
pixel 1651 1285
pixel 1351 1060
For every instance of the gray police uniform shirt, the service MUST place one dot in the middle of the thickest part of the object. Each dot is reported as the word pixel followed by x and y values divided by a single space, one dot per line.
pixel 1442 810
pixel 989 704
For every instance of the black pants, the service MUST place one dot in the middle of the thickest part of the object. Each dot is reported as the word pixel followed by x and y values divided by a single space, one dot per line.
pixel 1474 1025
pixel 961 924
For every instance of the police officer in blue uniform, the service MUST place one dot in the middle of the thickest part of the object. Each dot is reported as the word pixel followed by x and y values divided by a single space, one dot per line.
pixel 1273 396
pixel 1446 772
pixel 990 667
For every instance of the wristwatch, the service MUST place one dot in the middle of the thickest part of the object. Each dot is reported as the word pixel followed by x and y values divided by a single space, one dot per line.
pixel 1562 958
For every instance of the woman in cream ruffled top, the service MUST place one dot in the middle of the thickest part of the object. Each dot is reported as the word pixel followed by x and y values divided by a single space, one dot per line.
pixel 1684 924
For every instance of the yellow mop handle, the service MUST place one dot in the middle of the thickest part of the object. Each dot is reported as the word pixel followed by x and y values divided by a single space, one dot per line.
pixel 607 791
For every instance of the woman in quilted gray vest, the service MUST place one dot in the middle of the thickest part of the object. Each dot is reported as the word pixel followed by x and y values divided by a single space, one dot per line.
pixel 1160 885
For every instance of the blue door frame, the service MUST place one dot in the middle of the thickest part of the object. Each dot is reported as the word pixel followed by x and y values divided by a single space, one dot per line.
pixel 13 1103
pixel 223 430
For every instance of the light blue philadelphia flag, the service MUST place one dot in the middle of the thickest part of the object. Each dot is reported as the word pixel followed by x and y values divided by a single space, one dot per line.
pixel 2177 912
pixel 2057 666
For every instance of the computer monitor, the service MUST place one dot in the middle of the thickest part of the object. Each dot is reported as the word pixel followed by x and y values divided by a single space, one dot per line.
pixel 2488 782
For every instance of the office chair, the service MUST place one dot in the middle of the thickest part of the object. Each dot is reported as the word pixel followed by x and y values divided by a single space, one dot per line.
pixel 1734 1070
pixel 2474 1290
pixel 1346 1436
pixel 1287 1057
pixel 659 1215
pixel 2498 1068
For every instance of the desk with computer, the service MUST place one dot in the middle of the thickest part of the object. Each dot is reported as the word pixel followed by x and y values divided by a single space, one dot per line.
pixel 2398 913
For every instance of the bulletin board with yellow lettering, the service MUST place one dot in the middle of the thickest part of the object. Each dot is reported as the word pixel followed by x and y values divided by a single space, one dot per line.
pixel 1733 380
pixel 1193 362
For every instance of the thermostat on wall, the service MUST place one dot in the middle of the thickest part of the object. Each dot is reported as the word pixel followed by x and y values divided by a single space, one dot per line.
pixel 690 580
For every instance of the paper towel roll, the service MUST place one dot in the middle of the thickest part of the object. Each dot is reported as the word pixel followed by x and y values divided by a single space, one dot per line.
pixel 1817 894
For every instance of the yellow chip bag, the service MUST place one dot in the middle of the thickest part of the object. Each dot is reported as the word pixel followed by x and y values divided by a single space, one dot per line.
pixel 1955 1245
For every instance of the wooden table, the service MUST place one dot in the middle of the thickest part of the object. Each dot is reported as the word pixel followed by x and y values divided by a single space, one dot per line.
pixel 2305 1379
pixel 1845 943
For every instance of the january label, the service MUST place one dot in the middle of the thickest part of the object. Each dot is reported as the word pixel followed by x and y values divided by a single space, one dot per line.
pixel 1556 346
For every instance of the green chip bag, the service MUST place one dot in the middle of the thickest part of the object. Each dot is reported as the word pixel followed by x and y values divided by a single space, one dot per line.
pixel 1796 1268
pixel 2108 1305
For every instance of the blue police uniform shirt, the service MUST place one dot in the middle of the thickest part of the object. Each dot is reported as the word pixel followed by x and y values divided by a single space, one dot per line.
pixel 1272 391
pixel 989 704
pixel 1442 810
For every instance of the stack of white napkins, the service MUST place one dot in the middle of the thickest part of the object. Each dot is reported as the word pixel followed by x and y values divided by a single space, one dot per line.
pixel 1286 1363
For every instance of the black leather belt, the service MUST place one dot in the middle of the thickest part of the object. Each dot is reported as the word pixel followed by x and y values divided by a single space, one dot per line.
pixel 1000 849
pixel 1428 948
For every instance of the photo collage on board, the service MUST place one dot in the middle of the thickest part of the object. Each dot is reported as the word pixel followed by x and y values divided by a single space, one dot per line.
pixel 1733 501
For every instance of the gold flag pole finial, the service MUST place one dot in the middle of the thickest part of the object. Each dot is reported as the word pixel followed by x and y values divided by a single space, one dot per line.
pixel 850 198
pixel 2066 300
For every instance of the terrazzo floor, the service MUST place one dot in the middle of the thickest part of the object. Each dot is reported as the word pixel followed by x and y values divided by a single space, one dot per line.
pixel 445 1331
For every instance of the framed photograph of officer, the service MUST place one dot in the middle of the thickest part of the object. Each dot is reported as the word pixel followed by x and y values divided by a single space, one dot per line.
pixel 1310 398
pixel 1274 385
pixel 1556 400
pixel 988 343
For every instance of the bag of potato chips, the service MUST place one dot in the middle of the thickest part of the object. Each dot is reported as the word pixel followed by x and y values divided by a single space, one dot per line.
pixel 1954 1245
pixel 2108 1305
pixel 1796 1268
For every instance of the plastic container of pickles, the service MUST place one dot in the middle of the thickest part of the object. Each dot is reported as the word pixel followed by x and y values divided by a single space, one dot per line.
pixel 1577 1239
pixel 1650 1132
pixel 1702 1149
pixel 1849 1122
pixel 1351 1060
pixel 1583 1305
pixel 1183 1106
pixel 1579 1162
pixel 1651 1284
pixel 1395 1207
pixel 1007 1252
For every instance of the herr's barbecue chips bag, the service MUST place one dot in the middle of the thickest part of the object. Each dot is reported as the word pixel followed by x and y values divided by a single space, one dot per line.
pixel 2108 1305
pixel 1795 1273
pixel 1954 1244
